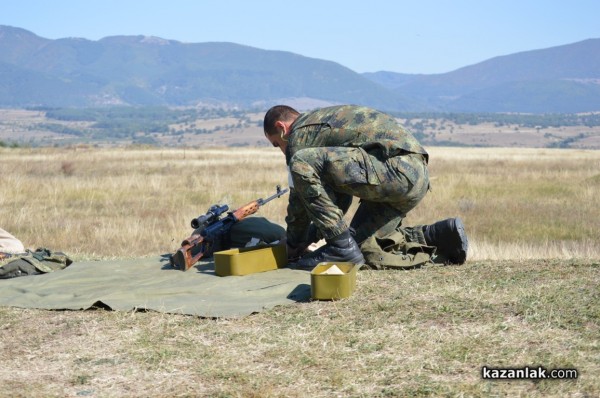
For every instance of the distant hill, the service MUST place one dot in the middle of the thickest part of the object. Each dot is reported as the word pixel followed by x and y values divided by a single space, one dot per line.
pixel 142 70
pixel 391 80
pixel 559 79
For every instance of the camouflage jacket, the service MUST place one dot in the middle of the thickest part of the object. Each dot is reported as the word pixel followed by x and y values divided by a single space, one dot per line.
pixel 343 126
pixel 351 126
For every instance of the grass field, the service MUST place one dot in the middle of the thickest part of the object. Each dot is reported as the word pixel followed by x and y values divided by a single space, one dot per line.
pixel 527 296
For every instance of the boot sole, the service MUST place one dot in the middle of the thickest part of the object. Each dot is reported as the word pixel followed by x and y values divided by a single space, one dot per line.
pixel 461 255
pixel 358 260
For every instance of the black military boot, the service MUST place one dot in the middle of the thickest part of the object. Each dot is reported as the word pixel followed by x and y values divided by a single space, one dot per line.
pixel 450 239
pixel 342 248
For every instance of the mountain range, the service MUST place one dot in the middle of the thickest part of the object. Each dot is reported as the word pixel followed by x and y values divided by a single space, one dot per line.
pixel 143 70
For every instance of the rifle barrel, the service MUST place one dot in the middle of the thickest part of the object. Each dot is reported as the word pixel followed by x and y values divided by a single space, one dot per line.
pixel 280 192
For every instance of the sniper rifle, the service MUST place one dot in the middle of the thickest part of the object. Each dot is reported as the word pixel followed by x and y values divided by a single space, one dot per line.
pixel 212 228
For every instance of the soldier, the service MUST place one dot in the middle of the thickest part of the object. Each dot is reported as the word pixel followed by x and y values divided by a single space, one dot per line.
pixel 340 152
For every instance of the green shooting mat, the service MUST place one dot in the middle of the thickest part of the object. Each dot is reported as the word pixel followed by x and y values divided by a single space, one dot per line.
pixel 152 284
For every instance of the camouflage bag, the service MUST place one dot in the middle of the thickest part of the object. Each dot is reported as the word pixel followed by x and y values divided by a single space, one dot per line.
pixel 255 229
pixel 251 231
pixel 400 249
pixel 36 262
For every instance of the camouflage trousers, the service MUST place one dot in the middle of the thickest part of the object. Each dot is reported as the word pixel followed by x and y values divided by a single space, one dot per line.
pixel 327 178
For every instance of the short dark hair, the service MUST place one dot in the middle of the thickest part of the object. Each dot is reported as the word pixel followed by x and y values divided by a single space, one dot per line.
pixel 278 113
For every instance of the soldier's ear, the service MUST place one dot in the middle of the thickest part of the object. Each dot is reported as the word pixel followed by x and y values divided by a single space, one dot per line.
pixel 281 127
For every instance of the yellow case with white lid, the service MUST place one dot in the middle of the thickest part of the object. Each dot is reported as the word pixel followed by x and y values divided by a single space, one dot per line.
pixel 324 286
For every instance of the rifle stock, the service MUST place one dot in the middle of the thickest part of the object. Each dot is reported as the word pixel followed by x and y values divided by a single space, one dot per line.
pixel 183 258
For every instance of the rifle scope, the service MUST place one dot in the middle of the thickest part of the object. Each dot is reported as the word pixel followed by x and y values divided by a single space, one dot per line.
pixel 211 215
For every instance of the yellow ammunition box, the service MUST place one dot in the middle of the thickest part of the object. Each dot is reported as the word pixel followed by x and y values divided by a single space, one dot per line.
pixel 250 260
pixel 333 286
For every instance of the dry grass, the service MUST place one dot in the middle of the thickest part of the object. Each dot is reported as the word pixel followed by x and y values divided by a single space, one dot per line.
pixel 100 203
pixel 123 202
pixel 425 332
pixel 420 333
pixel 518 203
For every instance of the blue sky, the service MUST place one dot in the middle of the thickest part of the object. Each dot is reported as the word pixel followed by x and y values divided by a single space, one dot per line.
pixel 423 36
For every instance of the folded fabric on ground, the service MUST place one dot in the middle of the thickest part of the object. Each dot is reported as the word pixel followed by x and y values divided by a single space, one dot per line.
pixel 152 284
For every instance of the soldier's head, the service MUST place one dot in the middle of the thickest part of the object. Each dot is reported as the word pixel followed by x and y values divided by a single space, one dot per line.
pixel 277 125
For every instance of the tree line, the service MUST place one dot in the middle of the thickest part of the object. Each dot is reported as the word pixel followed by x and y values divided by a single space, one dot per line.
pixel 504 119
pixel 126 122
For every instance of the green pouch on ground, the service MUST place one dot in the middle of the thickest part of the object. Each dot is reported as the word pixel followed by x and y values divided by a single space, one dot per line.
pixel 40 261
pixel 394 251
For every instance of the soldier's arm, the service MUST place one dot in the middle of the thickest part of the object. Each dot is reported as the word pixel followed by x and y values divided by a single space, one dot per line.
pixel 297 222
